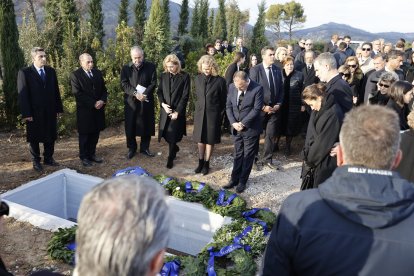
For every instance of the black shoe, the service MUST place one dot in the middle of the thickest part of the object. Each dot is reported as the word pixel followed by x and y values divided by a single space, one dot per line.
pixel 51 162
pixel 240 188
pixel 37 166
pixel 257 166
pixel 200 166
pixel 170 163
pixel 130 154
pixel 147 153
pixel 95 159
pixel 230 185
pixel 206 168
pixel 86 163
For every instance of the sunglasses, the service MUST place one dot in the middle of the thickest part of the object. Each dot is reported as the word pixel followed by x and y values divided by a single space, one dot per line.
pixel 352 66
pixel 366 49
pixel 383 85
pixel 4 209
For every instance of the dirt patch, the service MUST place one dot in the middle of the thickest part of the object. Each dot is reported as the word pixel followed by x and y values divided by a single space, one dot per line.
pixel 23 247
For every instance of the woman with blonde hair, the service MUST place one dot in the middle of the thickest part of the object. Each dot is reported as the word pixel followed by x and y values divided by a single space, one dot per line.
pixel 173 93
pixel 280 56
pixel 210 93
pixel 355 80
pixel 401 93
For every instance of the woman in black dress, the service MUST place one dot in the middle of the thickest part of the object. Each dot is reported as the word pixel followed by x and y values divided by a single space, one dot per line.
pixel 401 94
pixel 173 93
pixel 211 92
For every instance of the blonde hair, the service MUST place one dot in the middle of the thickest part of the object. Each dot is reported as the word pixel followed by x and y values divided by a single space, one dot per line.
pixel 209 61
pixel 174 59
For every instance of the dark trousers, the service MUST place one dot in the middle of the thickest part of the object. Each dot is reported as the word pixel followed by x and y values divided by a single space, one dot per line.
pixel 87 145
pixel 48 150
pixel 132 142
pixel 269 125
pixel 244 154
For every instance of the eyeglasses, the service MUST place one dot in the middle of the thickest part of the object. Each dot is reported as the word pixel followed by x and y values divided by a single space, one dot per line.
pixel 352 65
pixel 4 209
pixel 383 85
pixel 366 49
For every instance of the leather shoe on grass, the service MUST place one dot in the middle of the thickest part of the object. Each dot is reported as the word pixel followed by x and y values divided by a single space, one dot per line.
pixel 86 163
pixel 51 162
pixel 37 166
pixel 147 153
pixel 130 154
pixel 95 159
pixel 240 188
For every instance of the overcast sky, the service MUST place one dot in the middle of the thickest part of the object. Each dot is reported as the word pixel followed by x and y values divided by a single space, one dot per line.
pixel 352 12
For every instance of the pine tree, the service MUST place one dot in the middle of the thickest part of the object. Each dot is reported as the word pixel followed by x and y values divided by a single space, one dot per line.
pixel 96 19
pixel 259 39
pixel 155 41
pixel 140 9
pixel 182 25
pixel 220 26
pixel 210 26
pixel 123 12
pixel 12 58
pixel 195 20
pixel 203 19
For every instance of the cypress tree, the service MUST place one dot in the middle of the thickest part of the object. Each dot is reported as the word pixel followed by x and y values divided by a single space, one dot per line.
pixel 195 20
pixel 70 16
pixel 220 26
pixel 139 10
pixel 54 27
pixel 12 58
pixel 166 21
pixel 96 18
pixel 182 25
pixel 203 19
pixel 210 26
pixel 123 12
pixel 259 39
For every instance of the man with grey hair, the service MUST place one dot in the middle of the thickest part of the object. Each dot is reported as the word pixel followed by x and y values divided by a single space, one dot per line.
pixel 138 80
pixel 366 63
pixel 360 220
pixel 325 69
pixel 123 228
pixel 300 57
pixel 91 95
pixel 40 106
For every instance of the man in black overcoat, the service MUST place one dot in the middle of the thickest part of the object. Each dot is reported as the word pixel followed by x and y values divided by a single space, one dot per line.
pixel 139 101
pixel 244 105
pixel 91 95
pixel 40 106
pixel 272 99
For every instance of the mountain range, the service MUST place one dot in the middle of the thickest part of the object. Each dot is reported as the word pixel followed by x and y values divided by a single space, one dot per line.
pixel 319 33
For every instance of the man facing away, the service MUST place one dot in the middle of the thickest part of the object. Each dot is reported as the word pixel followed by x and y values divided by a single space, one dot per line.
pixel 138 80
pixel 360 220
pixel 40 106
pixel 243 107
pixel 123 228
pixel 90 92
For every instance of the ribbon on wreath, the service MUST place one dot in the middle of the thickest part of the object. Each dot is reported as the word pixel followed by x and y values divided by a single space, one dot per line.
pixel 189 187
pixel 227 250
pixel 247 215
pixel 166 180
pixel 171 268
pixel 220 200
pixel 132 170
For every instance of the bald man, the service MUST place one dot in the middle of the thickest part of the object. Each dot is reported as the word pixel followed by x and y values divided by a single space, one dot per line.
pixel 90 92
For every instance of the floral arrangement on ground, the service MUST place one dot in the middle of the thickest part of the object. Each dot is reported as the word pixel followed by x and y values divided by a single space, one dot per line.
pixel 235 246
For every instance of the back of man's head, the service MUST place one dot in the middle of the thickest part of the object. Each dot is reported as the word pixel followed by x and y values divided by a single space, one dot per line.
pixel 123 228
pixel 370 137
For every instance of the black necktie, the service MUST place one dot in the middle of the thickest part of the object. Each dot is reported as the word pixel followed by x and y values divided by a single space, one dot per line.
pixel 42 75
pixel 90 74
pixel 241 96
pixel 271 86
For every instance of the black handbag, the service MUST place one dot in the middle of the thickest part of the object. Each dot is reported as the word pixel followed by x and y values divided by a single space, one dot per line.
pixel 308 179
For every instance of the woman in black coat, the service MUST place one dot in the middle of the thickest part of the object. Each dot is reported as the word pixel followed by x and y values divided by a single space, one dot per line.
pixel 323 132
pixel 290 123
pixel 173 92
pixel 211 92
pixel 407 147
pixel 401 93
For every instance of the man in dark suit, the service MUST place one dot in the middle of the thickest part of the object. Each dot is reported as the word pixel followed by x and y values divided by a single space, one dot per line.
pixel 331 45
pixel 90 92
pixel 269 76
pixel 240 47
pixel 309 70
pixel 243 107
pixel 138 80
pixel 40 106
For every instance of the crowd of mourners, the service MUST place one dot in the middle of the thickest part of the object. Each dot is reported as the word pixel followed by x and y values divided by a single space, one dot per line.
pixel 354 215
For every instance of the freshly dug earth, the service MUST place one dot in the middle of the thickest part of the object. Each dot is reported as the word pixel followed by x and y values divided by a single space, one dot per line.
pixel 24 248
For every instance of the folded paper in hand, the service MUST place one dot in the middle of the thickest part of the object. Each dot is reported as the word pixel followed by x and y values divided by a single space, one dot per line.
pixel 140 89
